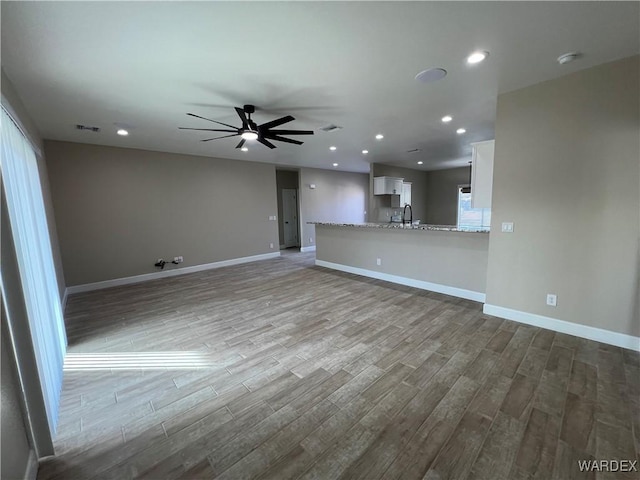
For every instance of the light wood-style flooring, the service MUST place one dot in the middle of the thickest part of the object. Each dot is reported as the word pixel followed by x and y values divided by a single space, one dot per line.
pixel 280 369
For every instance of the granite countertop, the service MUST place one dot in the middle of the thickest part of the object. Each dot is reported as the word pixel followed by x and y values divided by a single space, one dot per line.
pixel 400 226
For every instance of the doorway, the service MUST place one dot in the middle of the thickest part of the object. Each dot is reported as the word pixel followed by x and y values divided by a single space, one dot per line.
pixel 288 208
pixel 290 217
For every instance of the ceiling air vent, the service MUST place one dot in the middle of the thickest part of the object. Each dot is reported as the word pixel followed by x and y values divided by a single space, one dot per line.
pixel 415 150
pixel 86 127
pixel 330 128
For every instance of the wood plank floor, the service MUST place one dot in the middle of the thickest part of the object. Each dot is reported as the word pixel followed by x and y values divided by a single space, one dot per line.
pixel 280 369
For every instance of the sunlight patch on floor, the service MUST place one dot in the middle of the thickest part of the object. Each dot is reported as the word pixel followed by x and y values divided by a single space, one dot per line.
pixel 138 360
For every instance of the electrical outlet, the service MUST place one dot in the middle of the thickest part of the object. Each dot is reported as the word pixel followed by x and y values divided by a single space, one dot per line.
pixel 271 245
pixel 179 259
pixel 310 239
pixel 552 299
pixel 378 261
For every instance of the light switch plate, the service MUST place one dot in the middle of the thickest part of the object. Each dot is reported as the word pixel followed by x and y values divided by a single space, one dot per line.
pixel 507 227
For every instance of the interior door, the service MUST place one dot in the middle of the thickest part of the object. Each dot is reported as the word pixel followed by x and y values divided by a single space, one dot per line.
pixel 290 217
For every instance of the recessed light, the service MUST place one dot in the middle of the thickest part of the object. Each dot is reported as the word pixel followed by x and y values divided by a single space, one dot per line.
pixel 567 57
pixel 332 148
pixel 364 152
pixel 122 132
pixel 420 162
pixel 460 131
pixel 431 75
pixel 335 164
pixel 477 57
pixel 244 149
pixel 379 136
pixel 447 119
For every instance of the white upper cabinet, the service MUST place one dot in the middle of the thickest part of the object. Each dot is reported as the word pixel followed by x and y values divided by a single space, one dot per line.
pixel 482 174
pixel 387 186
pixel 405 196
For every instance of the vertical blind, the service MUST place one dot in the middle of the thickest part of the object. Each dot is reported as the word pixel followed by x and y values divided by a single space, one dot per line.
pixel 28 220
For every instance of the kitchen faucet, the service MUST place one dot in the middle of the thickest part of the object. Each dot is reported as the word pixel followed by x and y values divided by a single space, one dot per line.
pixel 404 214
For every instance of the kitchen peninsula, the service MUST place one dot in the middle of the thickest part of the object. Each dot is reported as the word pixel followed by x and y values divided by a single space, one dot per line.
pixel 438 258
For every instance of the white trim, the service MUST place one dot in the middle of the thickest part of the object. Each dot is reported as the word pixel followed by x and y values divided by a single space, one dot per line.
pixel 31 472
pixel 87 287
pixel 410 282
pixel 584 331
pixel 312 248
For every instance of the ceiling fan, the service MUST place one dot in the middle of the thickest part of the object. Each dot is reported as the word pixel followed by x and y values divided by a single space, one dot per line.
pixel 252 131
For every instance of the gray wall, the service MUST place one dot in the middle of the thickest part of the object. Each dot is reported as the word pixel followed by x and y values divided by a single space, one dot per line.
pixel 442 195
pixel 284 179
pixel 118 210
pixel 567 174
pixel 381 204
pixel 338 197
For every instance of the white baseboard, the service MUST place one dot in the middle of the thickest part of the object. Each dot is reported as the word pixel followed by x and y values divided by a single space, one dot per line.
pixel 31 472
pixel 410 282
pixel 312 248
pixel 584 331
pixel 87 287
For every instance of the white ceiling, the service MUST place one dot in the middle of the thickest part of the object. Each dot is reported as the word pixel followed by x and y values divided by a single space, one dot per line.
pixel 144 65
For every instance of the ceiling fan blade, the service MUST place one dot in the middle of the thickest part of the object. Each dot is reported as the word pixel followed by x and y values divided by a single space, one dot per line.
pixel 266 143
pixel 275 123
pixel 218 138
pixel 207 129
pixel 243 117
pixel 241 143
pixel 292 132
pixel 282 139
pixel 214 121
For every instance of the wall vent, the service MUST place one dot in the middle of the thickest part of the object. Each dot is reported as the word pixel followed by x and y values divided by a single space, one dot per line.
pixel 86 127
pixel 415 150
pixel 330 128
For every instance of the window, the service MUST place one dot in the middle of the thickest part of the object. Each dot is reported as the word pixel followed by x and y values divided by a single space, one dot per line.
pixel 471 218
pixel 21 181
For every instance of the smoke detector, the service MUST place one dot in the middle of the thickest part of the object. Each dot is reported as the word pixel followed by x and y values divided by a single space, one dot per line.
pixel 431 75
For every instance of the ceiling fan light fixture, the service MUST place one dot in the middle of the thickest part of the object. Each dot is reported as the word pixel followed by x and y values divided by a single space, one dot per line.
pixel 249 135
